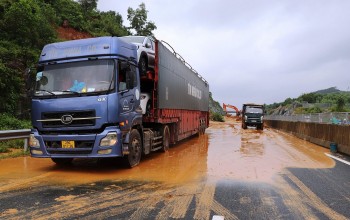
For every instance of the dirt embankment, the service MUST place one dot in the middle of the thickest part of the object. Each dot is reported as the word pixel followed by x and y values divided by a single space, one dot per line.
pixel 68 33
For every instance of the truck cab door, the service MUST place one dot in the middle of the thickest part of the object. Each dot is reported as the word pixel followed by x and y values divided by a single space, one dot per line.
pixel 129 93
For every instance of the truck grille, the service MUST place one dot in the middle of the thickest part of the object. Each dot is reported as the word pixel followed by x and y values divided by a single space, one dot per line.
pixel 76 119
pixel 81 147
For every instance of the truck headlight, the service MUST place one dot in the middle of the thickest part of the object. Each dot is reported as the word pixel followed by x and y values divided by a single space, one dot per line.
pixel 110 139
pixel 262 118
pixel 33 141
pixel 245 118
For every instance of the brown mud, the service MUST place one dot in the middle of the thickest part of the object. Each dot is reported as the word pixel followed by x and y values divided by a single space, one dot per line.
pixel 188 173
pixel 225 151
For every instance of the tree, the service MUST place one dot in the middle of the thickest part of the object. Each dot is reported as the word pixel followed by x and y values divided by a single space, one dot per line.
pixel 25 29
pixel 310 97
pixel 138 21
pixel 287 101
pixel 25 23
pixel 108 23
pixel 88 5
pixel 71 11
pixel 13 60
pixel 340 104
pixel 4 5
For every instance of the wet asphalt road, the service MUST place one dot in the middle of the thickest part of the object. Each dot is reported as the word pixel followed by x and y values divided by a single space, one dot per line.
pixel 228 172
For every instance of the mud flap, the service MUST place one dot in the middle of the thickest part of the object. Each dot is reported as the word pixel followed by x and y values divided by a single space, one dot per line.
pixel 125 144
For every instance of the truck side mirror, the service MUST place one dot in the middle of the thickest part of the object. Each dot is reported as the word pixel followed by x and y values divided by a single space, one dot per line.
pixel 29 80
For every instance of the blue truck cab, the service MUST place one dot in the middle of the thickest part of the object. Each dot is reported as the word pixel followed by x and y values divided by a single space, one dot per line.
pixel 86 101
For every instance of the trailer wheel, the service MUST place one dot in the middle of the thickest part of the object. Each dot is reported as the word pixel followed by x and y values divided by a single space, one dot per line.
pixel 203 129
pixel 200 130
pixel 166 138
pixel 62 161
pixel 135 149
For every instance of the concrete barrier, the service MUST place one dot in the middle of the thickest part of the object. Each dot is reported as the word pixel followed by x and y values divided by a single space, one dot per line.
pixel 320 134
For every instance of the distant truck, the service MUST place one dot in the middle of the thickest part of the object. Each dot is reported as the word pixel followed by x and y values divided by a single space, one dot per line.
pixel 86 102
pixel 253 115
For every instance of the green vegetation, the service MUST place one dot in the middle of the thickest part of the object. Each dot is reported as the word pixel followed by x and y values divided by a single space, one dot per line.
pixel 138 21
pixel 215 109
pixel 214 116
pixel 8 122
pixel 301 110
pixel 327 100
pixel 14 154
pixel 6 145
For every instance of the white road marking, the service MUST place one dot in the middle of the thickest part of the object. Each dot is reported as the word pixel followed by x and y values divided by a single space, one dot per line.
pixel 218 217
pixel 336 158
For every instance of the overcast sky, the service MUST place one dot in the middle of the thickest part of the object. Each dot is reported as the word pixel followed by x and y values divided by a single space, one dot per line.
pixel 261 51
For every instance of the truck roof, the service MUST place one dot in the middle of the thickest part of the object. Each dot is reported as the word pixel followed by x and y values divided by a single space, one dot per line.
pixel 90 47
pixel 253 105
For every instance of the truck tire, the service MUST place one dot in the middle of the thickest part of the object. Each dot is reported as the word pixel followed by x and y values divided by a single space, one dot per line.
pixel 62 161
pixel 135 149
pixel 244 125
pixel 166 138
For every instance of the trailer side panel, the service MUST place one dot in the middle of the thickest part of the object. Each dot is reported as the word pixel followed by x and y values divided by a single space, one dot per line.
pixel 179 87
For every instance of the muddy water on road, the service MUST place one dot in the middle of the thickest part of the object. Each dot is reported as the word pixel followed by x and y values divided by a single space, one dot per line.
pixel 258 155
pixel 225 151
pixel 179 184
pixel 184 162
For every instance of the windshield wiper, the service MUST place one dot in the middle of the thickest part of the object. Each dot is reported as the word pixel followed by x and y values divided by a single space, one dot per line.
pixel 74 92
pixel 42 90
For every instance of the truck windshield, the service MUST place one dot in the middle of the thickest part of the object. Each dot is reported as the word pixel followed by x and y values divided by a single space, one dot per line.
pixel 77 77
pixel 254 110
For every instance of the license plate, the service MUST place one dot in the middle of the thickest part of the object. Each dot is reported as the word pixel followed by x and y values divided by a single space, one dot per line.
pixel 253 120
pixel 68 144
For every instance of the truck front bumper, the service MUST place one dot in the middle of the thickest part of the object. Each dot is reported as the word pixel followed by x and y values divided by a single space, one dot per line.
pixel 77 145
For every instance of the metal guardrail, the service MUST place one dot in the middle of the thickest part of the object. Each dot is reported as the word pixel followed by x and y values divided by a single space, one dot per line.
pixel 16 134
pixel 340 118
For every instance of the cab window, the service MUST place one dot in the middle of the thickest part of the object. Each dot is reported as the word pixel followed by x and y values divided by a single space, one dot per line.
pixel 127 76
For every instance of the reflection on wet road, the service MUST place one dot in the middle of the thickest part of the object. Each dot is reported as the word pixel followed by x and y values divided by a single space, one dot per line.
pixel 230 172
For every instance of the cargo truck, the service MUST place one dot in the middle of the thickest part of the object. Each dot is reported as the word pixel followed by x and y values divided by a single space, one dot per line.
pixel 86 102
pixel 253 115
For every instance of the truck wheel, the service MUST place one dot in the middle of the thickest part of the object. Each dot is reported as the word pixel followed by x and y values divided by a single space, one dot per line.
pixel 62 161
pixel 261 127
pixel 143 65
pixel 166 138
pixel 135 149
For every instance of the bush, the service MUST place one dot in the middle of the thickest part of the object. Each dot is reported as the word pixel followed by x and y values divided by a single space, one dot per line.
pixel 3 148
pixel 214 116
pixel 6 145
pixel 18 143
pixel 8 122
